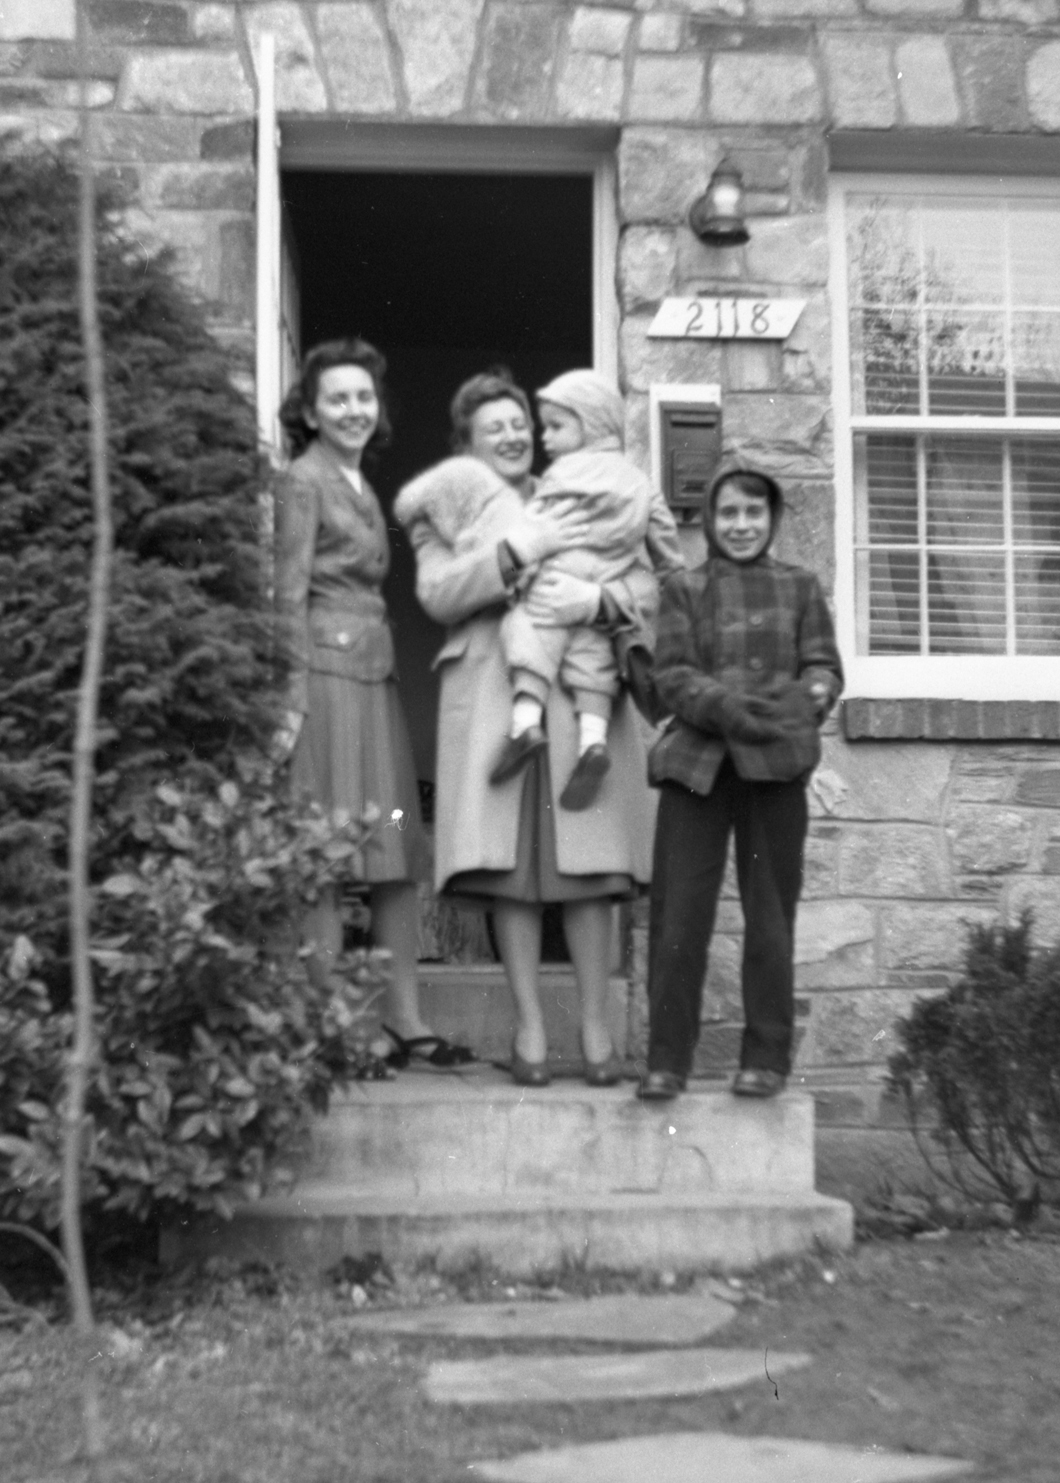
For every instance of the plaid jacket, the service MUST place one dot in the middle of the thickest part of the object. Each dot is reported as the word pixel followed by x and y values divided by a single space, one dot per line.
pixel 740 627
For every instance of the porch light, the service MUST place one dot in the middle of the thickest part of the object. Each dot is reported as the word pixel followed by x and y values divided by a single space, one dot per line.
pixel 716 216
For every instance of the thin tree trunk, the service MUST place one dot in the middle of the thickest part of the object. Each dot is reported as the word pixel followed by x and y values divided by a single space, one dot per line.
pixel 83 1050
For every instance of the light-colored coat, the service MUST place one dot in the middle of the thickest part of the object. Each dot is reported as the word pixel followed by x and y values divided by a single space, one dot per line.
pixel 476 824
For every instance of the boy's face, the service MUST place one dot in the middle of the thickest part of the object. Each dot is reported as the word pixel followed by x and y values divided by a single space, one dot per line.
pixel 561 430
pixel 742 523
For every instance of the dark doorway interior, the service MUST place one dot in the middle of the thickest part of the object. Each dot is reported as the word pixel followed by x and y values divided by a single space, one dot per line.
pixel 448 275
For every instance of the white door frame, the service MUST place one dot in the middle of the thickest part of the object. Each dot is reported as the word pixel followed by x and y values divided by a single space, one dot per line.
pixel 338 144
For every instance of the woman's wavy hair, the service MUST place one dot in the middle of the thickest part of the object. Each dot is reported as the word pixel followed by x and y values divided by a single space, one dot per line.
pixel 325 357
pixel 494 385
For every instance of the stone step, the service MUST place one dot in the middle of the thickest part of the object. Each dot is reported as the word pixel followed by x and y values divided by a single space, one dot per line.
pixel 463 1168
pixel 471 1003
pixel 315 1227
pixel 477 1135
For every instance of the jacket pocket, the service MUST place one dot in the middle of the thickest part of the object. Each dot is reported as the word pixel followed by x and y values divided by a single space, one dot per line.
pixel 357 648
pixel 455 647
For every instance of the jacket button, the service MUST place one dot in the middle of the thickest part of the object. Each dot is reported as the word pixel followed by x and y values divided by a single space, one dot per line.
pixel 756 620
pixel 343 640
pixel 755 664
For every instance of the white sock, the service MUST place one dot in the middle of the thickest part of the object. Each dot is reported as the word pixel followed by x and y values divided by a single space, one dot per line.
pixel 591 729
pixel 526 712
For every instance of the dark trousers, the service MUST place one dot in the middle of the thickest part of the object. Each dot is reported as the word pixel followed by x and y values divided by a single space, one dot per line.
pixel 691 839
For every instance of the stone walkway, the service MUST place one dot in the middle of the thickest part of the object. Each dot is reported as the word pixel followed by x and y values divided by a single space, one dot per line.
pixel 640 1324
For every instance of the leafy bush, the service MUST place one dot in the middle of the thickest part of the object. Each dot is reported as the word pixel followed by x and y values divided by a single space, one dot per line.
pixel 214 1040
pixel 189 678
pixel 979 1068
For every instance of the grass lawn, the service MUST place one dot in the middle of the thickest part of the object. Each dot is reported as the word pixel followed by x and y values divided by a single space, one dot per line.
pixel 943 1345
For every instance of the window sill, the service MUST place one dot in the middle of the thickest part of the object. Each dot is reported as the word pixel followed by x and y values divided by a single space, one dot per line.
pixel 951 720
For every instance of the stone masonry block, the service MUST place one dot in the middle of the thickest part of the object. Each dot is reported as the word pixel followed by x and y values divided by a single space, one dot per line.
pixel 236 269
pixel 660 32
pixel 139 22
pixel 212 23
pixel 646 261
pixel 199 187
pixel 591 87
pixel 13 56
pixel 645 361
pixel 1040 895
pixel 229 141
pixel 356 58
pixel 807 533
pixel 1025 12
pixel 822 8
pixel 991 73
pixel 861 84
pixel 713 9
pixel 121 137
pixel 662 171
pixel 917 938
pixel 806 355
pixel 32 20
pixel 986 841
pixel 1043 85
pixel 820 873
pixel 721 988
pixel 437 40
pixel 68 94
pixel 299 86
pixel 893 860
pixel 185 82
pixel 789 252
pixel 598 30
pixel 927 88
pixel 855 1027
pixel 666 88
pixel 764 88
pixel 59 59
pixel 1039 786
pixel 886 781
pixel 835 943
pixel 788 435
pixel 515 72
pixel 748 366
pixel 918 9
pixel 47 129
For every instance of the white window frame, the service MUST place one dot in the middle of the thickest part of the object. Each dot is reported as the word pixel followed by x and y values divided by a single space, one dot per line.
pixel 911 676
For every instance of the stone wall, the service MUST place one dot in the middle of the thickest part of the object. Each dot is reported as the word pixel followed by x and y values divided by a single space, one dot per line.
pixel 909 841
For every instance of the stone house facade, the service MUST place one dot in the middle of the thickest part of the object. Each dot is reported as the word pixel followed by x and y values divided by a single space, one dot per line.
pixel 938 800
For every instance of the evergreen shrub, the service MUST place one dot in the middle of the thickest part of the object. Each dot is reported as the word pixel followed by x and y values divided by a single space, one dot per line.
pixel 978 1070
pixel 214 1042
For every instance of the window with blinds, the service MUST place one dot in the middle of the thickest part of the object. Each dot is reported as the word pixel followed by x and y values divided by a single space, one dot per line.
pixel 953 325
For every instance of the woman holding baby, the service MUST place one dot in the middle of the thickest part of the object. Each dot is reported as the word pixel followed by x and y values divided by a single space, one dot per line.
pixel 522 729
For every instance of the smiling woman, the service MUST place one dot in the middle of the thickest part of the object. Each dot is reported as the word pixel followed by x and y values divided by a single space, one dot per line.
pixel 344 729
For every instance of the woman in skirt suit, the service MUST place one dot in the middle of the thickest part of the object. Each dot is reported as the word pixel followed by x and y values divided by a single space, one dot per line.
pixel 344 727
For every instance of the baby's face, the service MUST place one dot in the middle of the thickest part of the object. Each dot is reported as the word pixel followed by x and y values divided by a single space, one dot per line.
pixel 561 430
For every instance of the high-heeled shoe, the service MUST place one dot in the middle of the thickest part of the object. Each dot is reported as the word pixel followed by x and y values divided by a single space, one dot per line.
pixel 605 1073
pixel 529 1073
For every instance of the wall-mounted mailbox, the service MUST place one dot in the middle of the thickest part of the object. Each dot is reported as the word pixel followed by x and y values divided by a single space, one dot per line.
pixel 686 445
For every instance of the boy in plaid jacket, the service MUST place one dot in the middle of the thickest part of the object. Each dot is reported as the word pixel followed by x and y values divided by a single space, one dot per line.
pixel 746 662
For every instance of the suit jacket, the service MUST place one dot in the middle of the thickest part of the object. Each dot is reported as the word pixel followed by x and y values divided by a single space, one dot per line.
pixel 761 627
pixel 332 554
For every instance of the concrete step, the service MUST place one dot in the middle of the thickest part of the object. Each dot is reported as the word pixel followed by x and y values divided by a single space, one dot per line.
pixel 478 1135
pixel 457 1169
pixel 471 1003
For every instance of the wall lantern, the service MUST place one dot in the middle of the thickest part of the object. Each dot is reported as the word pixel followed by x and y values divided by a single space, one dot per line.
pixel 716 216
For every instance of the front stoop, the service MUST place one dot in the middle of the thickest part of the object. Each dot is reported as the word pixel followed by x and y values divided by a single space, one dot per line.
pixel 460 1168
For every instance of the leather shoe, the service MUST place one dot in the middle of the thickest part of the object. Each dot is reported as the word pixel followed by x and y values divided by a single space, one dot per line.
pixel 603 1073
pixel 517 752
pixel 661 1086
pixel 755 1082
pixel 529 1073
pixel 584 782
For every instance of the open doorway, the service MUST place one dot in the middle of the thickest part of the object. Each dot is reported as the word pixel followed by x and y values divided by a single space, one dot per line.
pixel 448 274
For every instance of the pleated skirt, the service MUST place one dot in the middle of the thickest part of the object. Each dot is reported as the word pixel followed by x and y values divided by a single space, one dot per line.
pixel 354 754
pixel 536 877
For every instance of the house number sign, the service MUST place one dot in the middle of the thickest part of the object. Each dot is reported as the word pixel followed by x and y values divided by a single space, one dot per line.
pixel 703 318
